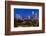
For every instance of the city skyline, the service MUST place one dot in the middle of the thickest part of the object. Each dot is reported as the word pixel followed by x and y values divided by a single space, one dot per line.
pixel 30 12
pixel 26 17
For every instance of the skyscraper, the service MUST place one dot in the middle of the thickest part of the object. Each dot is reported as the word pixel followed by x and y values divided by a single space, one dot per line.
pixel 32 12
pixel 17 16
pixel 36 15
pixel 28 17
pixel 33 15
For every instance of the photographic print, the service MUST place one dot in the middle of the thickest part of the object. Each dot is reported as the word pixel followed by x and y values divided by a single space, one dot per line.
pixel 24 18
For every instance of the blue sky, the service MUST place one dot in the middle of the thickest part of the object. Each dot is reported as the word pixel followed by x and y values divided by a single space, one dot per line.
pixel 25 12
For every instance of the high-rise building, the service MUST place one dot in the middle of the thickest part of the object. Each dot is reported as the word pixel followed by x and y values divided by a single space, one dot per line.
pixel 36 16
pixel 32 12
pixel 17 16
pixel 33 15
pixel 28 17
